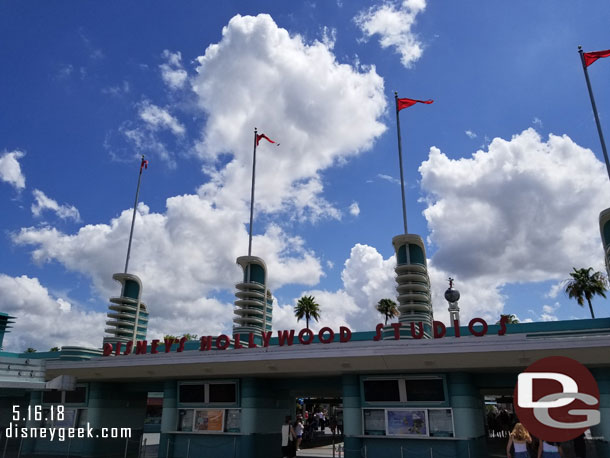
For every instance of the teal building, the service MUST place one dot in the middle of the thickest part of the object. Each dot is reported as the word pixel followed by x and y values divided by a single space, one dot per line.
pixel 405 397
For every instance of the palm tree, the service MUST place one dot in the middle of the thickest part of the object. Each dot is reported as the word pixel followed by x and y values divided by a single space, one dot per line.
pixel 308 308
pixel 585 285
pixel 387 307
pixel 511 319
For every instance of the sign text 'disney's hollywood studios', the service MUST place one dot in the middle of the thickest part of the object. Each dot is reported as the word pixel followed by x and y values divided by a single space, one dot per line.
pixel 286 338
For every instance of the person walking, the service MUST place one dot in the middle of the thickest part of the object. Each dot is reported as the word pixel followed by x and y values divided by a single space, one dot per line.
pixel 288 439
pixel 519 438
pixel 298 430
pixel 549 450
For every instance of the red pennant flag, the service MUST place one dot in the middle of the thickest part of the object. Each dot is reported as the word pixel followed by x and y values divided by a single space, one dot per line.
pixel 406 103
pixel 261 136
pixel 144 164
pixel 591 57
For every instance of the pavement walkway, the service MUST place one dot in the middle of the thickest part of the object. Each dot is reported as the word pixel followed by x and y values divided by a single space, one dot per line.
pixel 321 452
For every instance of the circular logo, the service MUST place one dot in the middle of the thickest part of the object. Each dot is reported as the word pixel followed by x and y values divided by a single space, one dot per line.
pixel 557 399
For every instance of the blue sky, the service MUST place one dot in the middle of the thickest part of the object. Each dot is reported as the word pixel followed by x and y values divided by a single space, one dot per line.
pixel 504 173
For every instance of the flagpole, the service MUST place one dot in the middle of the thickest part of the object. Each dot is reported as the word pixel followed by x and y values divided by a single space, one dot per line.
pixel 133 219
pixel 252 194
pixel 402 180
pixel 599 126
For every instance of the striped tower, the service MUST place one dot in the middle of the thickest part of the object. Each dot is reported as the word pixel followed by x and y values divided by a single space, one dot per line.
pixel 604 229
pixel 5 323
pixel 127 315
pixel 254 304
pixel 413 288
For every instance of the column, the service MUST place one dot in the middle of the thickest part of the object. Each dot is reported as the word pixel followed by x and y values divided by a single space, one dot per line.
pixel 468 412
pixel 352 416
pixel 169 417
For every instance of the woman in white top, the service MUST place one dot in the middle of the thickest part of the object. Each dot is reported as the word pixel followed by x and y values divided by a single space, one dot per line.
pixel 519 438
pixel 298 430
pixel 549 450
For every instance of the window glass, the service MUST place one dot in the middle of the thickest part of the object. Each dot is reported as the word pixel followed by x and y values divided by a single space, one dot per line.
pixel 222 392
pixel 425 390
pixel 381 390
pixel 78 396
pixel 192 393
pixel 51 397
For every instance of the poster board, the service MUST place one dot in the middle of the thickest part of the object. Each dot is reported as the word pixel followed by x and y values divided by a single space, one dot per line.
pixel 185 419
pixel 233 421
pixel 407 422
pixel 441 422
pixel 209 420
pixel 374 422
pixel 68 419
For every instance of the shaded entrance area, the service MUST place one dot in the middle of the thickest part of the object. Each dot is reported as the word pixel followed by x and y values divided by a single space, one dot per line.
pixel 318 401
pixel 499 421
pixel 322 420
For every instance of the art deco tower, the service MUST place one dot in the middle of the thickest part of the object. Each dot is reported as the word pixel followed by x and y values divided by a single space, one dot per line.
pixel 127 314
pixel 254 304
pixel 413 288
pixel 5 323
pixel 414 302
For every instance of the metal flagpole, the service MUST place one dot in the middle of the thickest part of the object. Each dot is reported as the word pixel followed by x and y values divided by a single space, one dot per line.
pixel 133 219
pixel 599 126
pixel 402 180
pixel 252 194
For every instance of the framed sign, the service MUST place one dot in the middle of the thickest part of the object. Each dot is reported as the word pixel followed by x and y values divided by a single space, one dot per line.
pixel 185 419
pixel 441 422
pixel 209 420
pixel 407 422
pixel 374 422
pixel 233 421
pixel 68 419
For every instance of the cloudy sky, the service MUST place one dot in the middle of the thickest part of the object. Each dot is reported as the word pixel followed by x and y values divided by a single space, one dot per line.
pixel 504 174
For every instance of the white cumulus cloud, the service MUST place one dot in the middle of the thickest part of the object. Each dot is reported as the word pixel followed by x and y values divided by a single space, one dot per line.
pixel 43 202
pixel 394 25
pixel 43 320
pixel 172 71
pixel 523 211
pixel 158 118
pixel 10 169
pixel 321 111
pixel 354 209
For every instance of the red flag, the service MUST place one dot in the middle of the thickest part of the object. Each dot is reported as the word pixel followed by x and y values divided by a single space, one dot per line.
pixel 406 103
pixel 144 164
pixel 591 57
pixel 261 136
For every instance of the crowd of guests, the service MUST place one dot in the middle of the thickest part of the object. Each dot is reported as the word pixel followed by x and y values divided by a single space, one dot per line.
pixel 522 445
